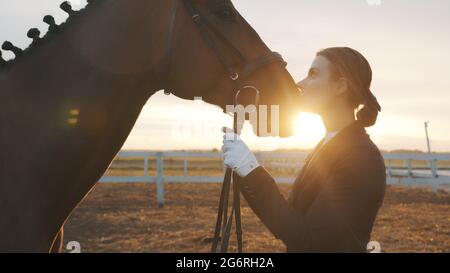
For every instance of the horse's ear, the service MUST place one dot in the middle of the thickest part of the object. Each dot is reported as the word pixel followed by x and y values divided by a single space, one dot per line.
pixel 34 34
pixel 50 21
pixel 67 7
pixel 7 45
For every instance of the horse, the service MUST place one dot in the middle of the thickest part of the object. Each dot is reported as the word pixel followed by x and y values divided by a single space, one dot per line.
pixel 69 101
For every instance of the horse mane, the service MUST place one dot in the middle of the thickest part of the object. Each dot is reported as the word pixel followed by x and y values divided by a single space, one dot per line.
pixel 34 33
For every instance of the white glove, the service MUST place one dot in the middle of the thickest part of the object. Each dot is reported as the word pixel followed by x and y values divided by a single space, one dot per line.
pixel 237 155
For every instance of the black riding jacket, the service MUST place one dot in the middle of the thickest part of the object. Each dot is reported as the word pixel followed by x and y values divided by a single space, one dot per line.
pixel 334 200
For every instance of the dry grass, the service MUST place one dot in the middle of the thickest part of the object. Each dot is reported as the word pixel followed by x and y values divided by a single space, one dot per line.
pixel 124 218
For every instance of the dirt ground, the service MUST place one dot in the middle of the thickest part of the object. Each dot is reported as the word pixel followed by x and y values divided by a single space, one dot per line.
pixel 125 218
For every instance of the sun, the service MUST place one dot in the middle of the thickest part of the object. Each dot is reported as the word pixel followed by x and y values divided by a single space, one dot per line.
pixel 309 129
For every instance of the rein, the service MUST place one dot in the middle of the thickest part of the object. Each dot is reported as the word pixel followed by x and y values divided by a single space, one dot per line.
pixel 231 179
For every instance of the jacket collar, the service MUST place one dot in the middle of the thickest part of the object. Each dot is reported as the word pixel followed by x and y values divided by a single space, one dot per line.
pixel 319 160
pixel 327 152
pixel 347 135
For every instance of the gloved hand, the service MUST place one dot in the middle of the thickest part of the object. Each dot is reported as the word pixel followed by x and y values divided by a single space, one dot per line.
pixel 237 155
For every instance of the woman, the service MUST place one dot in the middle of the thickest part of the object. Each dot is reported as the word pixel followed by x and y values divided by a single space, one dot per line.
pixel 335 199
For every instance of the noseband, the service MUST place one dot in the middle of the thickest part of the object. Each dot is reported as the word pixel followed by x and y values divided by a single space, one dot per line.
pixel 248 68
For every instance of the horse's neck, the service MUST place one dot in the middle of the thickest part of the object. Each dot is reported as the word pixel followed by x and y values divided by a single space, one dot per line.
pixel 66 110
pixel 123 37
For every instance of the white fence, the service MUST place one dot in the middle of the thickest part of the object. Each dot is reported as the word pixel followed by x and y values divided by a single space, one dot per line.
pixel 428 174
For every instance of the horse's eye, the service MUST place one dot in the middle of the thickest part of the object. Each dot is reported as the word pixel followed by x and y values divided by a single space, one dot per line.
pixel 226 13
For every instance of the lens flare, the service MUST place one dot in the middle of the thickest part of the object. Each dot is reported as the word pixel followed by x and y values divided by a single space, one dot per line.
pixel 309 128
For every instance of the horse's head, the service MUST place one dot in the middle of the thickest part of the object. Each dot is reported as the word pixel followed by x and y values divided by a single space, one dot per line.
pixel 212 52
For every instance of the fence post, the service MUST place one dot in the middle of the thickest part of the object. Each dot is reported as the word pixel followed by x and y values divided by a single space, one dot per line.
pixel 409 163
pixel 389 168
pixel 185 167
pixel 434 168
pixel 145 166
pixel 434 173
pixel 160 179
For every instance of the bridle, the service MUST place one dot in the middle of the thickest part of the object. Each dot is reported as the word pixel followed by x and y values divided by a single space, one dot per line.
pixel 249 68
pixel 203 25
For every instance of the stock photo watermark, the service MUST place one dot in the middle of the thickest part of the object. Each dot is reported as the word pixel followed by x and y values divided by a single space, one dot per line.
pixel 373 2
pixel 202 127
pixel 73 247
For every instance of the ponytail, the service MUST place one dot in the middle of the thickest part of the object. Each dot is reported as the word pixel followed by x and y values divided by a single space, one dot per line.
pixel 368 114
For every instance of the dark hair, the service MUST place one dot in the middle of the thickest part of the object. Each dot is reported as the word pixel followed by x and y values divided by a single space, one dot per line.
pixel 352 65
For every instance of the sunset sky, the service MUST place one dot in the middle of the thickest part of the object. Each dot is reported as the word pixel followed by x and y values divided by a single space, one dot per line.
pixel 407 43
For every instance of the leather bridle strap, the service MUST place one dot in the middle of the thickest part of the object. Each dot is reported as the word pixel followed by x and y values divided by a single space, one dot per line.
pixel 219 34
pixel 167 60
pixel 198 20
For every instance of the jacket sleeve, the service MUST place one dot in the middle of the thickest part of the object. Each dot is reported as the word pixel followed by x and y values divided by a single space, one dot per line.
pixel 333 216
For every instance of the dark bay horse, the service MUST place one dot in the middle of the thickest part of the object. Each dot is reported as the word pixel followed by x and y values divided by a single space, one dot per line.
pixel 69 101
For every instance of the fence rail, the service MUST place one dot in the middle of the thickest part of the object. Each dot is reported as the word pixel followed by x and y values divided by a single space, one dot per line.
pixel 411 172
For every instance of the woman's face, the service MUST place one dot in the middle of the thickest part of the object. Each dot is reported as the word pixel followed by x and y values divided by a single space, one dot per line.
pixel 319 88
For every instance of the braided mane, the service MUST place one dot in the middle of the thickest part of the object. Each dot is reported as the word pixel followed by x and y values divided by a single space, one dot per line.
pixel 34 33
